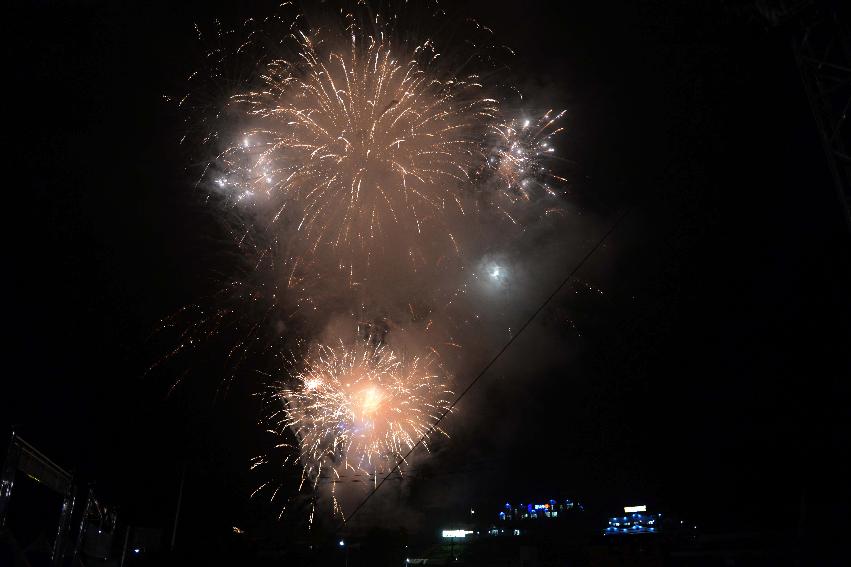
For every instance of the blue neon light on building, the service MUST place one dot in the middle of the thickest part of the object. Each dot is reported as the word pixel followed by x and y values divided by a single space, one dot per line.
pixel 635 523
pixel 547 509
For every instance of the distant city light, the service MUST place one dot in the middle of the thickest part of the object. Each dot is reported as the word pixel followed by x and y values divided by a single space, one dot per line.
pixel 635 523
pixel 342 543
pixel 456 533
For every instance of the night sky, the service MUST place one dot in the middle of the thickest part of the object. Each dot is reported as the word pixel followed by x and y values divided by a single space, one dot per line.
pixel 710 379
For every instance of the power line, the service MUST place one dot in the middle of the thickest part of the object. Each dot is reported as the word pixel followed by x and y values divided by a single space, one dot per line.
pixel 496 357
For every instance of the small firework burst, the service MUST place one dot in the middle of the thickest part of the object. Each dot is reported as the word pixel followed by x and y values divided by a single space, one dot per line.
pixel 358 408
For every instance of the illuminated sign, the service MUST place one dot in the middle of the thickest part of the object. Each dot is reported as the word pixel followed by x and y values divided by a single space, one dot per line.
pixel 456 533
pixel 630 509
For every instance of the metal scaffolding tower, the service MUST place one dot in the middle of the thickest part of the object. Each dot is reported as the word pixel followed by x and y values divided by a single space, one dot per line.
pixel 25 458
pixel 821 42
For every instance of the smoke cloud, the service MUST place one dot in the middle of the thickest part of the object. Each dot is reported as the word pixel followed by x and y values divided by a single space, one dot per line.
pixel 382 195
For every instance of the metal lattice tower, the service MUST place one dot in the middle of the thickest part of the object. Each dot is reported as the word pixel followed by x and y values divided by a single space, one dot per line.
pixel 821 41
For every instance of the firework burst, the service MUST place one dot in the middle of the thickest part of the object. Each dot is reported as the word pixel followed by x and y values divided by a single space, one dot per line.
pixel 520 155
pixel 358 408
pixel 363 146
pixel 358 162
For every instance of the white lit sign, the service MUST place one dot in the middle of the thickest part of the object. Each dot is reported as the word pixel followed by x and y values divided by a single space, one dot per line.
pixel 456 533
pixel 628 509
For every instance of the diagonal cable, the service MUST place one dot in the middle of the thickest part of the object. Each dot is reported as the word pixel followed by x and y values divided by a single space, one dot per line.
pixel 496 357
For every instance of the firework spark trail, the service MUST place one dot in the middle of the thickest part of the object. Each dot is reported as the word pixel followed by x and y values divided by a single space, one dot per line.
pixel 358 408
pixel 521 153
pixel 359 159
pixel 366 149
pixel 363 144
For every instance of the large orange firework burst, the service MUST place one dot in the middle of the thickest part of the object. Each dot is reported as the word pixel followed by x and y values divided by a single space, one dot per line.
pixel 363 143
